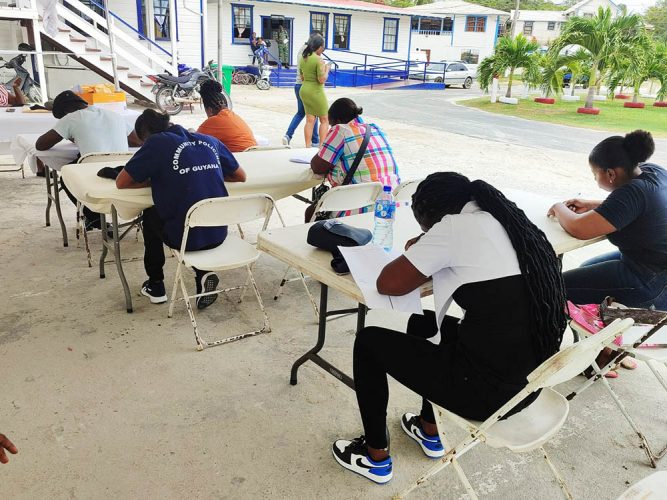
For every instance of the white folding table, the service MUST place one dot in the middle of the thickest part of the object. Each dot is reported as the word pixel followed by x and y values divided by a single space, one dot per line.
pixel 289 245
pixel 268 171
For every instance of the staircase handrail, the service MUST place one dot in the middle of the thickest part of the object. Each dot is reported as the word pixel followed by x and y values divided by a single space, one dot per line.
pixel 129 26
pixel 103 38
pixel 117 32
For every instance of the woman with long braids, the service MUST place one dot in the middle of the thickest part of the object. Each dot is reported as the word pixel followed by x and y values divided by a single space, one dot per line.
pixel 314 73
pixel 486 255
pixel 222 123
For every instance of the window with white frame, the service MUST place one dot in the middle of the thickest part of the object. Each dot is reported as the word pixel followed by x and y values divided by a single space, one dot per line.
pixel 551 25
pixel 447 25
pixel 242 19
pixel 161 19
pixel 341 27
pixel 476 24
pixel 390 35
pixel 320 22
pixel 470 56
pixel 528 27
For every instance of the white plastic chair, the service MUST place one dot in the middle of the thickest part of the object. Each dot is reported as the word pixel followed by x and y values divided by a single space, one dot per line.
pixel 267 147
pixel 652 487
pixel 533 426
pixel 232 254
pixel 119 156
pixel 338 199
pixel 404 191
pixel 651 356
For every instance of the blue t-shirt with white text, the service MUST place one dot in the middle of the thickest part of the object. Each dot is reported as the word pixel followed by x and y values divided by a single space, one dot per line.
pixel 184 168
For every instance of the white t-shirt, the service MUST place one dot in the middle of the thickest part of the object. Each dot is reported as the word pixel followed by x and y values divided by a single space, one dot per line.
pixel 463 248
pixel 95 130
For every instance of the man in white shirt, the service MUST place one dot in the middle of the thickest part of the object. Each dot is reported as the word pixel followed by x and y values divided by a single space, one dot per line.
pixel 92 129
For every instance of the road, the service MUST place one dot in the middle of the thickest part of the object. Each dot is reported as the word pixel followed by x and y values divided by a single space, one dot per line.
pixel 435 109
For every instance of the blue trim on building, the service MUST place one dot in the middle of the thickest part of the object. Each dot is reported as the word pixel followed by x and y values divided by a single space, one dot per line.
pixel 201 33
pixel 140 18
pixel 476 17
pixel 451 40
pixel 176 18
pixel 384 32
pixel 495 37
pixel 349 30
pixel 326 32
pixel 251 7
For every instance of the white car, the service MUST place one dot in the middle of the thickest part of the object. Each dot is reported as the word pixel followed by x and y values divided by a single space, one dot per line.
pixel 454 73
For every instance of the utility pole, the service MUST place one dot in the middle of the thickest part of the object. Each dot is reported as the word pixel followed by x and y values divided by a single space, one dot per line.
pixel 515 19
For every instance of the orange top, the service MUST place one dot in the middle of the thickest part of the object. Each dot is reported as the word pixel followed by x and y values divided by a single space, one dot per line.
pixel 230 129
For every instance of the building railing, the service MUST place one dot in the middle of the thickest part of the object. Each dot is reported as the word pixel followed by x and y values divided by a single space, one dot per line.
pixel 434 32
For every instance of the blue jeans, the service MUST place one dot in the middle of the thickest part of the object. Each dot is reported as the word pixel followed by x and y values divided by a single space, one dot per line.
pixel 300 115
pixel 630 283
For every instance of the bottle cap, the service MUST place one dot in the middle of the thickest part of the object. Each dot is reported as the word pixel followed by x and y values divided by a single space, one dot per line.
pixel 386 189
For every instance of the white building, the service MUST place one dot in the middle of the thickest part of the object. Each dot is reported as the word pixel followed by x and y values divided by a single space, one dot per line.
pixel 545 25
pixel 152 36
pixel 456 30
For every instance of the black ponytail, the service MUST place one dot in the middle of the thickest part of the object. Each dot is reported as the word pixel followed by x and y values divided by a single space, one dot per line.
pixel 446 193
pixel 344 110
pixel 211 96
pixel 624 152
pixel 151 122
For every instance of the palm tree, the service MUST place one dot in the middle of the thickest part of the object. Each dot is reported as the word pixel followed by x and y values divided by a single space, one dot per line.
pixel 636 64
pixel 552 69
pixel 510 54
pixel 601 36
pixel 578 65
pixel 658 69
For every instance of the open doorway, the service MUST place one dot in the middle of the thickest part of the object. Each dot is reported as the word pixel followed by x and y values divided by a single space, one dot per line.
pixel 270 25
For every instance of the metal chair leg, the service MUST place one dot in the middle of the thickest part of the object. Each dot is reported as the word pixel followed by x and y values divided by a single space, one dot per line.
pixel 557 475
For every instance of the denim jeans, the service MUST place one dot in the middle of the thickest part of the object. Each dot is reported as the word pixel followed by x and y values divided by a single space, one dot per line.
pixel 300 115
pixel 630 283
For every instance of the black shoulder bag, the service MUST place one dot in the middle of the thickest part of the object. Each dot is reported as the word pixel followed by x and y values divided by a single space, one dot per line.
pixel 319 191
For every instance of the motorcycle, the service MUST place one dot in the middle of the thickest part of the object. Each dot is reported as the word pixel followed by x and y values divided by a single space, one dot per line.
pixel 29 87
pixel 172 92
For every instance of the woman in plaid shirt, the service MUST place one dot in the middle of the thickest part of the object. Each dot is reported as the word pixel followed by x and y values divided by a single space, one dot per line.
pixel 341 145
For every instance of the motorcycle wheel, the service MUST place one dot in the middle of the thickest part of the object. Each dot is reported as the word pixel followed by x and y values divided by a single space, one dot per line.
pixel 166 103
pixel 263 84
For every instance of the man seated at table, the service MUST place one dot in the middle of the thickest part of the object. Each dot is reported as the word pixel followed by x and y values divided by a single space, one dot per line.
pixel 15 98
pixel 222 123
pixel 167 162
pixel 92 129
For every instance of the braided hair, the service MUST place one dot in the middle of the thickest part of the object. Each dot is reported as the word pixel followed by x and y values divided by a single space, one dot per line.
pixel 446 193
pixel 211 96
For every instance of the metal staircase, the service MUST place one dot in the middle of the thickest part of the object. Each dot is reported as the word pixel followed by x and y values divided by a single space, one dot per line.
pixel 82 34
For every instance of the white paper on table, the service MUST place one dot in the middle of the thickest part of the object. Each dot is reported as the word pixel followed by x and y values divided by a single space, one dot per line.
pixel 636 332
pixel 365 263
pixel 302 157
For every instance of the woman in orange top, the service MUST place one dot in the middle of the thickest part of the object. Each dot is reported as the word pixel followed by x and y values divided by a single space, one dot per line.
pixel 222 123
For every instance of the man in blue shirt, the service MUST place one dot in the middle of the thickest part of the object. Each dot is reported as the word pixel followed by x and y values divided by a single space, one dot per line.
pixel 182 169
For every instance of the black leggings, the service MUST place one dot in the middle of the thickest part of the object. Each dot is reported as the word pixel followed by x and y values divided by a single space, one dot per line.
pixel 430 370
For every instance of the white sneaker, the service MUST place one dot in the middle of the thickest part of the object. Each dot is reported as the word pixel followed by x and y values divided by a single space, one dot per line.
pixel 430 445
pixel 353 455
pixel 286 140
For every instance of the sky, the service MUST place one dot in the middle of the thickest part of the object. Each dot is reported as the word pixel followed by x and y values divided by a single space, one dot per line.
pixel 633 5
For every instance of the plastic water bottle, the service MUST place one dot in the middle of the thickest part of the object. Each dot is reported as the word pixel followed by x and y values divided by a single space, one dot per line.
pixel 385 212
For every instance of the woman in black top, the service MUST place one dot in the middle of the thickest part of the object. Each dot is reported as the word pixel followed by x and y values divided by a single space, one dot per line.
pixel 634 219
pixel 484 253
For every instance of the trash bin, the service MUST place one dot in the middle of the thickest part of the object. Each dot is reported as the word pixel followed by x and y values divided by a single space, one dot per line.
pixel 226 76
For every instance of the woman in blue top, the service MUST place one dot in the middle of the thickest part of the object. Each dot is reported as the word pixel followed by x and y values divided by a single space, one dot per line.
pixel 634 219
pixel 182 169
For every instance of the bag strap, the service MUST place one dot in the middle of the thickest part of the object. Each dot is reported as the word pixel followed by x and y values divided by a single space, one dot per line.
pixel 360 155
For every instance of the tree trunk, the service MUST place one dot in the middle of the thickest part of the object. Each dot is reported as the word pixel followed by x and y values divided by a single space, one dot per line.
pixel 591 88
pixel 573 81
pixel 509 84
pixel 635 97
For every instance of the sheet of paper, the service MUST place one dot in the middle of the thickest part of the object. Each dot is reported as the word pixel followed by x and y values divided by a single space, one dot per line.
pixel 366 263
pixel 636 332
pixel 303 156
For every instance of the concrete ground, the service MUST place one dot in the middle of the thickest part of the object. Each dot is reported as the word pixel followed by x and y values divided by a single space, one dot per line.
pixel 105 404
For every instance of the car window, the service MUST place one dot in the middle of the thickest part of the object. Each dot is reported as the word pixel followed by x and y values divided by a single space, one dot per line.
pixel 439 67
pixel 458 67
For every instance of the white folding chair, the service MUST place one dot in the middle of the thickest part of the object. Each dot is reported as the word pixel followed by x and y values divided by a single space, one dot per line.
pixel 338 199
pixel 651 356
pixel 232 254
pixel 267 147
pixel 404 191
pixel 121 157
pixel 533 426
pixel 652 487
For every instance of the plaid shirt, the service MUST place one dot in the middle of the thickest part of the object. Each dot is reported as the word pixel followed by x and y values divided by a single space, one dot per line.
pixel 340 149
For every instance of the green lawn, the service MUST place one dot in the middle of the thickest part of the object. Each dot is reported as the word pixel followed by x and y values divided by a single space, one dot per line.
pixel 613 116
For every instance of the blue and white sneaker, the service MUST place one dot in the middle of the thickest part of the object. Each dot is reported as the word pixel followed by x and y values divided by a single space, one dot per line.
pixel 353 455
pixel 431 445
